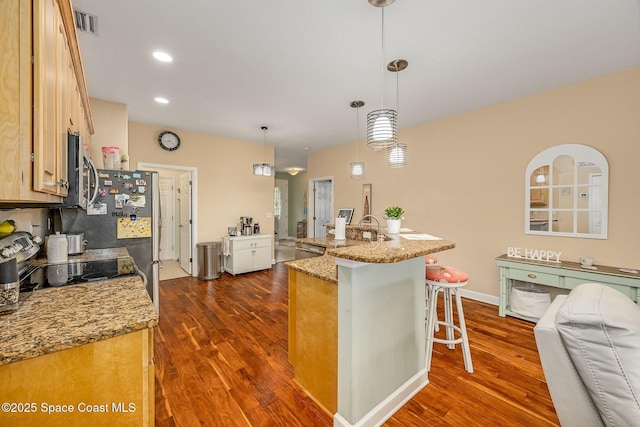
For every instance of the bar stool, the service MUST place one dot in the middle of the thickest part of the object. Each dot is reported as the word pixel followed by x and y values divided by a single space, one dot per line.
pixel 446 280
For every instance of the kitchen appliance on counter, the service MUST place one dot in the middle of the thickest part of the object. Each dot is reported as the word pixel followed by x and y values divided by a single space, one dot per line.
pixel 15 251
pixel 76 243
pixel 246 225
pixel 125 213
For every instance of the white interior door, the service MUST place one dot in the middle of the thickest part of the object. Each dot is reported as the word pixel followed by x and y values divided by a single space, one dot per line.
pixel 167 219
pixel 281 209
pixel 185 222
pixel 595 203
pixel 323 206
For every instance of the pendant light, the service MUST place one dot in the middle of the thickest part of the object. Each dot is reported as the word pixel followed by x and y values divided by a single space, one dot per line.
pixel 382 125
pixel 357 168
pixel 397 153
pixel 263 169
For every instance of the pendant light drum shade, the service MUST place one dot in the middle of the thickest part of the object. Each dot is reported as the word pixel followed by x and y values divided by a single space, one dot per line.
pixel 357 170
pixel 397 156
pixel 382 128
pixel 263 169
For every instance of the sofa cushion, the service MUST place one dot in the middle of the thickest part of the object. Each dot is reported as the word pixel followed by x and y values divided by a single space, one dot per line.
pixel 601 331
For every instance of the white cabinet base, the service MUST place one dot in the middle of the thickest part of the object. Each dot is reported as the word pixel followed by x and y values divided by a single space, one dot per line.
pixel 243 254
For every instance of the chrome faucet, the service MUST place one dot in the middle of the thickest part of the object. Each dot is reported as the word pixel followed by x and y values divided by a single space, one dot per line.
pixel 380 237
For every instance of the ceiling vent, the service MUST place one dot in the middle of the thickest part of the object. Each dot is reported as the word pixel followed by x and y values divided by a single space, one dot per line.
pixel 85 22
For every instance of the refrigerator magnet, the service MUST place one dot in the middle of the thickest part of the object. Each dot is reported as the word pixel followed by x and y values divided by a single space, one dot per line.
pixel 103 175
pixel 141 182
pixel 97 209
pixel 107 183
pixel 119 204
pixel 137 175
pixel 127 185
pixel 114 190
pixel 142 189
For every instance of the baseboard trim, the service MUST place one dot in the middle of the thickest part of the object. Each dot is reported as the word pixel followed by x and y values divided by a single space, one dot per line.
pixel 477 296
pixel 389 406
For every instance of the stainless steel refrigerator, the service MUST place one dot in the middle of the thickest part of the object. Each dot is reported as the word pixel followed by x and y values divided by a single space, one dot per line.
pixel 125 213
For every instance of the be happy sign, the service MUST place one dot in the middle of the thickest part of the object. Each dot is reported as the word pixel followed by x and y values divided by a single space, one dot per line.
pixel 534 254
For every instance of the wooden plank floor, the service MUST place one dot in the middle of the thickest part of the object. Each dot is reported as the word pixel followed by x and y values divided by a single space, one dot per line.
pixel 221 360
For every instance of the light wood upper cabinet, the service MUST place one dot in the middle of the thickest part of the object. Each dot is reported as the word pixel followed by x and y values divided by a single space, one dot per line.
pixel 43 95
pixel 540 178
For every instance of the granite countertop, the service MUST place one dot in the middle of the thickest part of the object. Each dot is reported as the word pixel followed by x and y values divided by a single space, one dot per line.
pixel 90 255
pixel 330 242
pixel 322 267
pixel 397 249
pixel 55 319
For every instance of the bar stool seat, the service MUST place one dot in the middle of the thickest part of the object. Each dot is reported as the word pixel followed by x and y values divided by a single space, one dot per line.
pixel 446 280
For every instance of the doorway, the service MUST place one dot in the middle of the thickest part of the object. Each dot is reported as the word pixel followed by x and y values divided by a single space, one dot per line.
pixel 281 210
pixel 178 209
pixel 320 206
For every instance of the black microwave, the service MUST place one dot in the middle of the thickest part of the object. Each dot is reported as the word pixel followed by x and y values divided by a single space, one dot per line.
pixel 83 175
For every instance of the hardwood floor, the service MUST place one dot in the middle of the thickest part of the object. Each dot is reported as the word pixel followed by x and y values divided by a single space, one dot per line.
pixel 221 360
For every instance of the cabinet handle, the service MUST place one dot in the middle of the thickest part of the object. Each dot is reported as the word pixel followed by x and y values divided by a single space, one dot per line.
pixel 532 276
pixel 63 184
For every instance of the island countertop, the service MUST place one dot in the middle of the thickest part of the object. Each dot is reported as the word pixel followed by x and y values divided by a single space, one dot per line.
pixel 397 249
pixel 54 319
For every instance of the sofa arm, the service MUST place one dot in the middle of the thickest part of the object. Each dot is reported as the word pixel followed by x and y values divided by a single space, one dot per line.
pixel 573 405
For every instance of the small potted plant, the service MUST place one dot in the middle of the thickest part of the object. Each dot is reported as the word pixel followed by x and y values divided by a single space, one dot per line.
pixel 124 162
pixel 393 215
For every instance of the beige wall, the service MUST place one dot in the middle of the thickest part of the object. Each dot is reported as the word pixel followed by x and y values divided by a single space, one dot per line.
pixel 227 189
pixel 110 128
pixel 465 178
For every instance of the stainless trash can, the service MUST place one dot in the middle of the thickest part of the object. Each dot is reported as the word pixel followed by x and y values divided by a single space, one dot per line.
pixel 209 257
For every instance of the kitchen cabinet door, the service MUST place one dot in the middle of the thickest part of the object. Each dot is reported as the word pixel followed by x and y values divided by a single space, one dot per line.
pixel 113 377
pixel 50 62
pixel 42 83
pixel 16 132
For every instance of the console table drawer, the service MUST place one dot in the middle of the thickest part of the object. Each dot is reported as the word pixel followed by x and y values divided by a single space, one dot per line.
pixel 534 277
pixel 572 282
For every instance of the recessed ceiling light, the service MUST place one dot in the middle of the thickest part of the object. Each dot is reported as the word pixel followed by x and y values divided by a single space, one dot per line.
pixel 161 100
pixel 162 56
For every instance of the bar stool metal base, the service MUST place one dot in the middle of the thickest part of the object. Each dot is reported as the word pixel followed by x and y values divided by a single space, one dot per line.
pixel 448 290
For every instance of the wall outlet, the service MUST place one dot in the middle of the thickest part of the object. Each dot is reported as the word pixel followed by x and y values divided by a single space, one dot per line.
pixel 366 235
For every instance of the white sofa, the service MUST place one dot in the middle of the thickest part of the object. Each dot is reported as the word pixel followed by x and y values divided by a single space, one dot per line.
pixel 589 345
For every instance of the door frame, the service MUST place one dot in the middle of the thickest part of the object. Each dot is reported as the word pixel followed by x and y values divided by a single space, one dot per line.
pixel 194 202
pixel 311 223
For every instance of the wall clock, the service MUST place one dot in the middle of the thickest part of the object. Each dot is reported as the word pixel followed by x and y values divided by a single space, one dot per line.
pixel 169 140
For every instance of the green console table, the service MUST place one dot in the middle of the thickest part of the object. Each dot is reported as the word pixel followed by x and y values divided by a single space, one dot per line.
pixel 563 275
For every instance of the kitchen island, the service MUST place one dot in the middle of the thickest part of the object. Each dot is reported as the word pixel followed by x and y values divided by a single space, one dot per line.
pixel 81 354
pixel 356 326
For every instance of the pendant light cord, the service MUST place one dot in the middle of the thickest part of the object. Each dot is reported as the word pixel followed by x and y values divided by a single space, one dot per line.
pixel 264 143
pixel 382 61
pixel 357 131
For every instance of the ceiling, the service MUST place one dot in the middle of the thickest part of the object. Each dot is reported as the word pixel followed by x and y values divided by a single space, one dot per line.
pixel 295 65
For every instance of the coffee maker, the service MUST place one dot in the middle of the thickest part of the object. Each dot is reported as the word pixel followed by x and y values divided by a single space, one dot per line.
pixel 246 225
